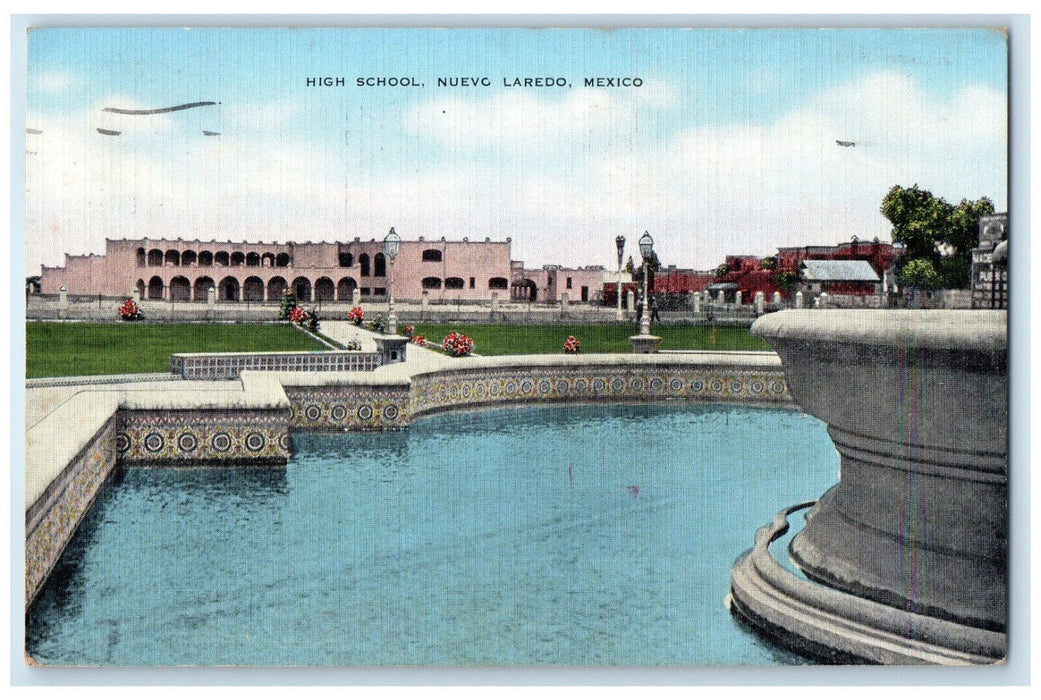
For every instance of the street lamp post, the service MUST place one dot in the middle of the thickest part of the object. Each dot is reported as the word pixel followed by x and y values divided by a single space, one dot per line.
pixel 645 342
pixel 646 249
pixel 390 247
pixel 620 243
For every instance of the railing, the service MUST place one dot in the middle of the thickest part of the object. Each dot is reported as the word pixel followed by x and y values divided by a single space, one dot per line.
pixel 229 365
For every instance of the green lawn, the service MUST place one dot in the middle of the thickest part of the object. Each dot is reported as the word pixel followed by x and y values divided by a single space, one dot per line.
pixel 502 339
pixel 74 349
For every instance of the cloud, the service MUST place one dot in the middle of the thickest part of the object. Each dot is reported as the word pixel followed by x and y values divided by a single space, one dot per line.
pixel 52 82
pixel 561 176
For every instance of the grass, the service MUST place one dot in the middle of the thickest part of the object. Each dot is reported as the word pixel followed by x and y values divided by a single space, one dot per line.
pixel 504 339
pixel 76 349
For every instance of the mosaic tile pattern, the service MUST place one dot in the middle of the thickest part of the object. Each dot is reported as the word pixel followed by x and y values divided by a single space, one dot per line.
pixel 349 408
pixel 46 539
pixel 164 437
pixel 608 383
pixel 223 366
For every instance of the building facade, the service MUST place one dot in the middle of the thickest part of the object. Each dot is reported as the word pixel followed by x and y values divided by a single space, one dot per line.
pixel 179 270
pixel 989 273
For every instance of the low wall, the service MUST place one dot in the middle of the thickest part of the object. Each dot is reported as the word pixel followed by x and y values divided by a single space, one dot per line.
pixel 56 513
pixel 230 365
pixel 694 377
pixel 203 437
pixel 386 400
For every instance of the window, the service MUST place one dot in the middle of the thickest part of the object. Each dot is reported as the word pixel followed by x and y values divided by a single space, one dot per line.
pixel 431 283
pixel 498 283
pixel 473 282
pixel 346 260
pixel 363 261
pixel 454 283
pixel 569 283
pixel 431 255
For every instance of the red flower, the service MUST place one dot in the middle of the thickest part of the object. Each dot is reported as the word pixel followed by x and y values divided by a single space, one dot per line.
pixel 571 345
pixel 297 315
pixel 355 315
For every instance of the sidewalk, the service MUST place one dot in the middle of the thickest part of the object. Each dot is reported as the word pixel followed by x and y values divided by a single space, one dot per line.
pixel 417 359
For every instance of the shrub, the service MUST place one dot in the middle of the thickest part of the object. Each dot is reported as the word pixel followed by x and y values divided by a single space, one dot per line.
pixel 130 311
pixel 457 345
pixel 571 345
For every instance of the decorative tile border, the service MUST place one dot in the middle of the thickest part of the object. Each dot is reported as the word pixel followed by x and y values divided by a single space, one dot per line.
pixel 50 526
pixel 349 407
pixel 227 365
pixel 203 437
pixel 445 390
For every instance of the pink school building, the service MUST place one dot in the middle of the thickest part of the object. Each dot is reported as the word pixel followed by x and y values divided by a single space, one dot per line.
pixel 440 270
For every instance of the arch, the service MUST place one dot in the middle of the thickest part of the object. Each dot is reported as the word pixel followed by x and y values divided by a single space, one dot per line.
pixel 142 257
pixel 252 259
pixel 498 283
pixel 363 262
pixel 379 265
pixel 431 255
pixel 221 258
pixel 228 289
pixel 431 283
pixel 275 288
pixel 238 258
pixel 454 283
pixel 346 260
pixel 205 259
pixel 180 289
pixel 524 290
pixel 324 289
pixel 282 260
pixel 172 258
pixel 302 289
pixel 188 257
pixel 141 289
pixel 155 288
pixel 345 289
pixel 267 260
pixel 155 258
pixel 253 289
pixel 202 286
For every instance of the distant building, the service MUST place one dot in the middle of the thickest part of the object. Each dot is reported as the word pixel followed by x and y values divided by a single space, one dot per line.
pixel 551 282
pixel 849 277
pixel 181 270
pixel 990 264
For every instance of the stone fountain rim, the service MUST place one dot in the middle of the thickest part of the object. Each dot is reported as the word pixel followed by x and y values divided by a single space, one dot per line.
pixel 936 329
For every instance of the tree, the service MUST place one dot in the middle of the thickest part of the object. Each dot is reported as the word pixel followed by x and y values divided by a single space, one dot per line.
pixel 932 230
pixel 919 274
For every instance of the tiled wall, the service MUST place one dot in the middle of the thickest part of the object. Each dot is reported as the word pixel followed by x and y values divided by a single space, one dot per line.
pixel 349 407
pixel 51 522
pixel 442 390
pixel 204 437
pixel 223 366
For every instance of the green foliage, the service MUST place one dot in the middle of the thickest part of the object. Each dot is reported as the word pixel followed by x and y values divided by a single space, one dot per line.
pixel 919 274
pixel 768 263
pixel 722 271
pixel 935 231
pixel 75 349
pixel 786 281
pixel 287 305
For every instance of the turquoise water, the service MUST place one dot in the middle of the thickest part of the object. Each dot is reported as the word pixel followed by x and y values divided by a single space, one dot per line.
pixel 591 535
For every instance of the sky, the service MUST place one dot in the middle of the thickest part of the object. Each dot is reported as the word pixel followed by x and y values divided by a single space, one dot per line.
pixel 728 145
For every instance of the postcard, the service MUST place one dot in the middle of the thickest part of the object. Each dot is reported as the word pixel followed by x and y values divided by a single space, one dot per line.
pixel 493 347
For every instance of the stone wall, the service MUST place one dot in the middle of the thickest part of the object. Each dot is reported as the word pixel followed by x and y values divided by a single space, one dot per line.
pixel 53 518
pixel 355 408
pixel 212 438
pixel 229 365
